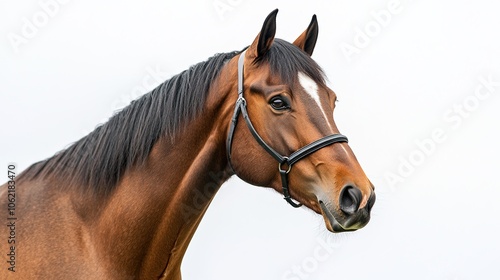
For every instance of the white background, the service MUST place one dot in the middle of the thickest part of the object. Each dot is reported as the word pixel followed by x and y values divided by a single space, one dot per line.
pixel 408 78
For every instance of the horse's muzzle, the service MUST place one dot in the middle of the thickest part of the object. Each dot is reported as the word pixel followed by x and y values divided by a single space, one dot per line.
pixel 350 217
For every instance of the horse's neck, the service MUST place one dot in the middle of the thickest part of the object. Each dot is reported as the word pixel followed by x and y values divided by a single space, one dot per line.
pixel 156 208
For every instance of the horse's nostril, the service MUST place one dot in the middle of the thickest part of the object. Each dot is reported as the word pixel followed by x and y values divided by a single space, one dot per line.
pixel 371 201
pixel 350 198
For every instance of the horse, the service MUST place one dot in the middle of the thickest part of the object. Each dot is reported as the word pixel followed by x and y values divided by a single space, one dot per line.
pixel 124 201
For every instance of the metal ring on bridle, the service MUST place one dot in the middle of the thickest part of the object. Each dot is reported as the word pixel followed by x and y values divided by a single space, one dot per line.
pixel 285 161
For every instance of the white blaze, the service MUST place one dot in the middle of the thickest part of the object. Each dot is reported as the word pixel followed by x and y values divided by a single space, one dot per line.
pixel 311 88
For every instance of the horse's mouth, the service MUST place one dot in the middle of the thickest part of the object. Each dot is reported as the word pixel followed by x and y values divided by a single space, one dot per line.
pixel 332 224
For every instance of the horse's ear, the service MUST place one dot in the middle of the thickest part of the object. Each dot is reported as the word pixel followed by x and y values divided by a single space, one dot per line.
pixel 265 39
pixel 307 40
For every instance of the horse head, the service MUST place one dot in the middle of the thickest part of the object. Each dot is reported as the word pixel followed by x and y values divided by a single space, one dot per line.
pixel 291 142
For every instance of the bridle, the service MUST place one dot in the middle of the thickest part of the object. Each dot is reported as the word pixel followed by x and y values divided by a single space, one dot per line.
pixel 285 163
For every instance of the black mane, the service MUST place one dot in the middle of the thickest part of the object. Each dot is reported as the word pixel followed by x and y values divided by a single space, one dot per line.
pixel 99 159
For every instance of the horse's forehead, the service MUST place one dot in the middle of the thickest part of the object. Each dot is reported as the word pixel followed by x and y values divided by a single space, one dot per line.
pixel 310 87
pixel 311 90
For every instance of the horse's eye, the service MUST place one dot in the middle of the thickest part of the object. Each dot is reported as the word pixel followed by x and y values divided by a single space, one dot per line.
pixel 278 103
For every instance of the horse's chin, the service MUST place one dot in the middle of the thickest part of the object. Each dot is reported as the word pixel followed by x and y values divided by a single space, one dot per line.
pixel 332 224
